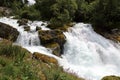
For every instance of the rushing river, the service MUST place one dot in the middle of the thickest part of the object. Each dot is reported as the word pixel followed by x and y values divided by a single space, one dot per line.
pixel 86 53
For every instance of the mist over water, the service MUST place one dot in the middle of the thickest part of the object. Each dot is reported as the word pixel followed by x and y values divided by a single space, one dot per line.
pixel 86 53
pixel 90 55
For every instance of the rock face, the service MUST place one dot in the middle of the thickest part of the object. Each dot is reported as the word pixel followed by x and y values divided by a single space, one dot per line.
pixel 52 37
pixel 8 32
pixel 111 78
pixel 44 58
pixel 4 11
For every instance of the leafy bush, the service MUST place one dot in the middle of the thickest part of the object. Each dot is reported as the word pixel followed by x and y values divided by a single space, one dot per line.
pixel 29 12
pixel 58 12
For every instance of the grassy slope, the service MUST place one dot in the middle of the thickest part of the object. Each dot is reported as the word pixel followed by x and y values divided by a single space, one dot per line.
pixel 16 63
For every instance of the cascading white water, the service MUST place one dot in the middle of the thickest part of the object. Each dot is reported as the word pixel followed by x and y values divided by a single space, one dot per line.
pixel 90 55
pixel 86 53
pixel 28 39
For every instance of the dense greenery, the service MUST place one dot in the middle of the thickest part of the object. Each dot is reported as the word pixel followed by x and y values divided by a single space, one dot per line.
pixel 101 13
pixel 58 12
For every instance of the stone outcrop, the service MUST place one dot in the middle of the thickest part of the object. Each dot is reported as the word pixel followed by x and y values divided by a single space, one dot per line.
pixel 44 58
pixel 52 37
pixel 8 32
pixel 4 11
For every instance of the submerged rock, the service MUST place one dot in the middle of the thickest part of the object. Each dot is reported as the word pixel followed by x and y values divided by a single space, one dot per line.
pixel 44 58
pixel 26 28
pixel 48 37
pixel 8 32
pixel 111 78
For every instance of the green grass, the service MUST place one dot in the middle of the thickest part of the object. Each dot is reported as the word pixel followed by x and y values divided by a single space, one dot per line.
pixel 16 63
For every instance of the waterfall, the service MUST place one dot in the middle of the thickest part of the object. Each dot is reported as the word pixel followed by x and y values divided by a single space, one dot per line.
pixel 89 55
pixel 28 39
pixel 86 53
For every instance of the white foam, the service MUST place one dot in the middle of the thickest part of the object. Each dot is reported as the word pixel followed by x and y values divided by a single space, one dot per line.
pixel 90 55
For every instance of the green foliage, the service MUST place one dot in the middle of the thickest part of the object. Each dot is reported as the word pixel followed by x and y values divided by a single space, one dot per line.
pixel 101 13
pixel 11 3
pixel 107 13
pixel 58 12
pixel 29 12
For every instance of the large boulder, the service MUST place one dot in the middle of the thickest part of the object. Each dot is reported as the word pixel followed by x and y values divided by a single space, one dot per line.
pixel 44 58
pixel 52 36
pixel 111 78
pixel 8 32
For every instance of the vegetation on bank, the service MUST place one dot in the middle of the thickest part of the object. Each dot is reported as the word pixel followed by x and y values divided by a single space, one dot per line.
pixel 101 13
pixel 16 63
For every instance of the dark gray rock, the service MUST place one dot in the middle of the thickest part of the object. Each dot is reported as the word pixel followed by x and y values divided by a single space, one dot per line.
pixel 8 32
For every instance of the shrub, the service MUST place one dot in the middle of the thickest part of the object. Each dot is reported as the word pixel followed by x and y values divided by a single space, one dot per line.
pixel 58 12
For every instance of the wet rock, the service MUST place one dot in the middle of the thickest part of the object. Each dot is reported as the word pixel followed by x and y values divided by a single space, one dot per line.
pixel 22 22
pixel 38 28
pixel 8 32
pixel 44 58
pixel 26 28
pixel 52 36
pixel 55 48
pixel 4 11
pixel 42 24
pixel 111 78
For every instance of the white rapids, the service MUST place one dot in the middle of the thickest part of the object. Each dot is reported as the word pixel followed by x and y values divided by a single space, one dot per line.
pixel 89 55
pixel 86 53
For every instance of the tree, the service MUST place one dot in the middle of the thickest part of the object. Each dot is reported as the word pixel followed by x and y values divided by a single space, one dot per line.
pixel 61 11
pixel 107 14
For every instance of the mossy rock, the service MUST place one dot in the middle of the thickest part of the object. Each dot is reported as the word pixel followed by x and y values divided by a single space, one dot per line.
pixel 44 58
pixel 8 32
pixel 22 22
pixel 27 28
pixel 55 48
pixel 62 28
pixel 52 36
pixel 111 78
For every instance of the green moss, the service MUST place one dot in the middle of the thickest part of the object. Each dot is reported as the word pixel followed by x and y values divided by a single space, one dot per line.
pixel 55 47
pixel 111 78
